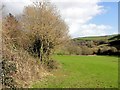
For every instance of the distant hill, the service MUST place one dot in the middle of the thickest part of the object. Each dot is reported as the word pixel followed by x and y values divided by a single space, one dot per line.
pixel 98 38
pixel 105 45
pixel 96 45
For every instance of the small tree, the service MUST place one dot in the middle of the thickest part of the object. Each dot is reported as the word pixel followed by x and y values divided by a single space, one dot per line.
pixel 45 27
pixel 10 31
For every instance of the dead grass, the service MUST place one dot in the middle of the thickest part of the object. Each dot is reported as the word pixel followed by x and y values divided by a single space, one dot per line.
pixel 28 68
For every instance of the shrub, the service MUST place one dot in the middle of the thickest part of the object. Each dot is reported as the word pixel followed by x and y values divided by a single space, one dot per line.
pixel 113 49
pixel 106 50
pixel 51 65
pixel 95 50
pixel 102 42
pixel 86 50
pixel 74 50
pixel 8 70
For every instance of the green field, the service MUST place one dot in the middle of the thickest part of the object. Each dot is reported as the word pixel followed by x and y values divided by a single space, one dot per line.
pixel 82 72
pixel 104 38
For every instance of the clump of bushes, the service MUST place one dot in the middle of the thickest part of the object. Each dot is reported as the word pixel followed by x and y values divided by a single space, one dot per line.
pixel 89 49
pixel 19 69
pixel 86 50
pixel 99 47
pixel 73 49
pixel 106 50
pixel 51 65
pixel 29 42
pixel 8 71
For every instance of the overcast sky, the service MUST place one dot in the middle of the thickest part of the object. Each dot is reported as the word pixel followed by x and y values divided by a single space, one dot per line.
pixel 84 17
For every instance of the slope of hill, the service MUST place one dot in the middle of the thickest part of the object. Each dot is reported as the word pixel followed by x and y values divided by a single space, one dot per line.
pixel 98 45
pixel 97 38
pixel 105 45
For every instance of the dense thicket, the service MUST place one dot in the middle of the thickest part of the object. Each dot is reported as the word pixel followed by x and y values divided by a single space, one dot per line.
pixel 29 41
pixel 45 28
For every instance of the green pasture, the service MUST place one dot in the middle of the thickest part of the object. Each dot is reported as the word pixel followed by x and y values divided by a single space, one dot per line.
pixel 82 72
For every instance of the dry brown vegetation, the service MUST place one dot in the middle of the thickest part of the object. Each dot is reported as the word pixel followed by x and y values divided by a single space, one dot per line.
pixel 45 28
pixel 28 43
pixel 19 68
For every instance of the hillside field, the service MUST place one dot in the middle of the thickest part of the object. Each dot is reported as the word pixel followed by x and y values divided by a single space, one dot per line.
pixel 104 38
pixel 82 72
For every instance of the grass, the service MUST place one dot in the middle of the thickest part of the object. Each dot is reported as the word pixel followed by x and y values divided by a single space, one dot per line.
pixel 104 38
pixel 83 72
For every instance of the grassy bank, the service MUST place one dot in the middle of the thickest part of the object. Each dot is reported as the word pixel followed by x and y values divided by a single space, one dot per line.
pixel 83 72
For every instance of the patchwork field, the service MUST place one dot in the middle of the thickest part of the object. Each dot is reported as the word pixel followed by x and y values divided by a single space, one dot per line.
pixel 82 72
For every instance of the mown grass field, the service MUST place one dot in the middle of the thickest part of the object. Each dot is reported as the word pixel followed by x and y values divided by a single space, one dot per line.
pixel 83 72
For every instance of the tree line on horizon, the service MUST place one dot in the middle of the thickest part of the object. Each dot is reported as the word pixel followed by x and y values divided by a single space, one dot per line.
pixel 107 45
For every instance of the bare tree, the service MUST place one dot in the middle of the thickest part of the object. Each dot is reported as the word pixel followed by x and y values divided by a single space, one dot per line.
pixel 45 26
pixel 10 31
